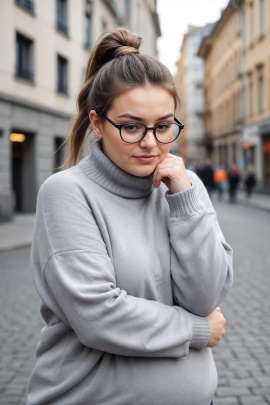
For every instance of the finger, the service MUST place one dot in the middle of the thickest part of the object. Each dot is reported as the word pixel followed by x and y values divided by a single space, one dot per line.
pixel 155 183
pixel 168 163
pixel 161 173
pixel 218 309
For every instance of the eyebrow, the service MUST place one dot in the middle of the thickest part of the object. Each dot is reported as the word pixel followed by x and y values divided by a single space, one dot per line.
pixel 141 119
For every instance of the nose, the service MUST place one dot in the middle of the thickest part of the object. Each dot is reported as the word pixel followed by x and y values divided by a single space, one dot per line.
pixel 149 141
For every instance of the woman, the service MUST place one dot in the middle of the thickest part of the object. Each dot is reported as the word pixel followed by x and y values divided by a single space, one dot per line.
pixel 127 257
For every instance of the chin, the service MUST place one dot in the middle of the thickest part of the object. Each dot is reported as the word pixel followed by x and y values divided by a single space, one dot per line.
pixel 143 171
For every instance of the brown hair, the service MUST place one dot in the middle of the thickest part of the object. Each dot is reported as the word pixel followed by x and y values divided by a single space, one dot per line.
pixel 115 66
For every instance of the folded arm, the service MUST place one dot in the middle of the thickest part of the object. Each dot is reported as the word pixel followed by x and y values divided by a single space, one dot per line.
pixel 201 260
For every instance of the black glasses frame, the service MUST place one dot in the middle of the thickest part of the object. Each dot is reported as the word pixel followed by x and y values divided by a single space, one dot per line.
pixel 120 126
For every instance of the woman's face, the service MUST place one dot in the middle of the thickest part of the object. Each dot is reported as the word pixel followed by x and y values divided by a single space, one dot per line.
pixel 148 105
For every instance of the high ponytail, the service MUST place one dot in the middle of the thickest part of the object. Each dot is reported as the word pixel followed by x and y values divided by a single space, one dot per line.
pixel 114 66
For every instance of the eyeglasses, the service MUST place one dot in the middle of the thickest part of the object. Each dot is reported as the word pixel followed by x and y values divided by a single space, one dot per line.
pixel 133 132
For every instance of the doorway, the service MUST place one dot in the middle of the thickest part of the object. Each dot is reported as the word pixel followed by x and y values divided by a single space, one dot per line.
pixel 23 171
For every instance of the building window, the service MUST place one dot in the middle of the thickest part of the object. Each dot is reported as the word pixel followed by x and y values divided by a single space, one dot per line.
pixel 250 98
pixel 234 152
pixel 62 16
pixel 59 153
pixel 260 93
pixel 251 24
pixel 62 75
pixel 24 58
pixel 261 17
pixel 88 24
pixel 27 4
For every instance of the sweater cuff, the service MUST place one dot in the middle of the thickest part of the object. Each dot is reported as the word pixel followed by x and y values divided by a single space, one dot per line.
pixel 201 332
pixel 183 203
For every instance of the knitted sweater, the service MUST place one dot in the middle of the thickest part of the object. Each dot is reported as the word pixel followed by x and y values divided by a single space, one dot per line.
pixel 126 275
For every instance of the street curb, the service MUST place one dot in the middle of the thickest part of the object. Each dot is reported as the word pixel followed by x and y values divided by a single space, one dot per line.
pixel 253 204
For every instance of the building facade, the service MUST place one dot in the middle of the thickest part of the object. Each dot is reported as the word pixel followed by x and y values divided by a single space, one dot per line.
pixel 221 52
pixel 256 131
pixel 237 87
pixel 44 51
pixel 189 79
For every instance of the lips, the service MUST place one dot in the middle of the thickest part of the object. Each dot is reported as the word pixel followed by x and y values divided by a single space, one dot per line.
pixel 145 158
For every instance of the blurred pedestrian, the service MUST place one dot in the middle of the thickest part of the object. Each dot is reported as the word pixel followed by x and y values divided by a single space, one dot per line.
pixel 122 253
pixel 193 165
pixel 220 178
pixel 250 179
pixel 207 176
pixel 233 182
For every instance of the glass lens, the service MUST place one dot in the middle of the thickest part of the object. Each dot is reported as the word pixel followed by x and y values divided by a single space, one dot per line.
pixel 132 132
pixel 167 132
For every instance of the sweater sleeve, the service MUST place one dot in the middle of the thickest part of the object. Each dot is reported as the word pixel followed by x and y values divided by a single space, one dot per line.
pixel 75 277
pixel 201 259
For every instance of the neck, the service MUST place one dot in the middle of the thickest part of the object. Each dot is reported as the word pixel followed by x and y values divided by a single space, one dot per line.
pixel 99 168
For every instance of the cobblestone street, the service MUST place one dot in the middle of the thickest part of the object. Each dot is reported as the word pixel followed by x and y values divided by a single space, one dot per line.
pixel 242 357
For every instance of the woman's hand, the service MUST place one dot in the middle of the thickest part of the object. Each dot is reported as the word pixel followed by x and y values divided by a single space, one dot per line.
pixel 172 172
pixel 217 323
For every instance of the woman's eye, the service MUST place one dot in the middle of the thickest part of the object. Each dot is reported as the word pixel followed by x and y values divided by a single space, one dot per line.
pixel 164 126
pixel 132 127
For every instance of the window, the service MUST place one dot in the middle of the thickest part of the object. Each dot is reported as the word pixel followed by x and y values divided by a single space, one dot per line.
pixel 250 98
pixel 62 16
pixel 88 24
pixel 27 4
pixel 24 58
pixel 62 75
pixel 260 93
pixel 59 153
pixel 261 17
pixel 251 24
pixel 234 152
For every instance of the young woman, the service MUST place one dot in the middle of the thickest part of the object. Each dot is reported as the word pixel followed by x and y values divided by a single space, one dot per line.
pixel 128 256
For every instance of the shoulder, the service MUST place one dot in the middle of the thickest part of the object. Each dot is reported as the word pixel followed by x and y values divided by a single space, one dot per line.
pixel 69 180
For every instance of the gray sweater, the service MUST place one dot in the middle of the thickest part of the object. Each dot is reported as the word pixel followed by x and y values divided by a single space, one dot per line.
pixel 126 275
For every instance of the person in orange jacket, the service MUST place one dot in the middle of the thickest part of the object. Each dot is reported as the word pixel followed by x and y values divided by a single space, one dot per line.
pixel 220 178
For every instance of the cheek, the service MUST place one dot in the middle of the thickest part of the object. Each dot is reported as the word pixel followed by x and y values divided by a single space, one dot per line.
pixel 165 149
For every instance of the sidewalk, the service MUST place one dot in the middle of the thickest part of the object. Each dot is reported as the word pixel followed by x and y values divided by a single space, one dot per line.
pixel 260 201
pixel 257 200
pixel 19 232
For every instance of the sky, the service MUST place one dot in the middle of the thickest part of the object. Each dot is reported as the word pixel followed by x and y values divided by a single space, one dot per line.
pixel 174 18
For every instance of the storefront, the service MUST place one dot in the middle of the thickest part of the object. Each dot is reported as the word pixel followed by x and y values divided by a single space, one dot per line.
pixel 251 151
pixel 265 134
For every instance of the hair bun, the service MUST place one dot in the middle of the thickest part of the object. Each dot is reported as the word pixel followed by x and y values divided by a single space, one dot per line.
pixel 112 43
pixel 123 50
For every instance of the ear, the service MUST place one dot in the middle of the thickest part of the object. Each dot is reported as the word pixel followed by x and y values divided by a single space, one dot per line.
pixel 96 123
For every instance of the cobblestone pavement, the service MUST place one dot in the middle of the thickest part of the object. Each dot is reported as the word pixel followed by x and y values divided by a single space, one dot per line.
pixel 242 357
pixel 20 326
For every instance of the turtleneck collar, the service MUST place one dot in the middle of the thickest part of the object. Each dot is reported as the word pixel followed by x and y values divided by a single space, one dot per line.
pixel 104 172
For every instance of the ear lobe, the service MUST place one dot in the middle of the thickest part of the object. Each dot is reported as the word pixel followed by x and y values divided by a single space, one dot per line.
pixel 96 124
